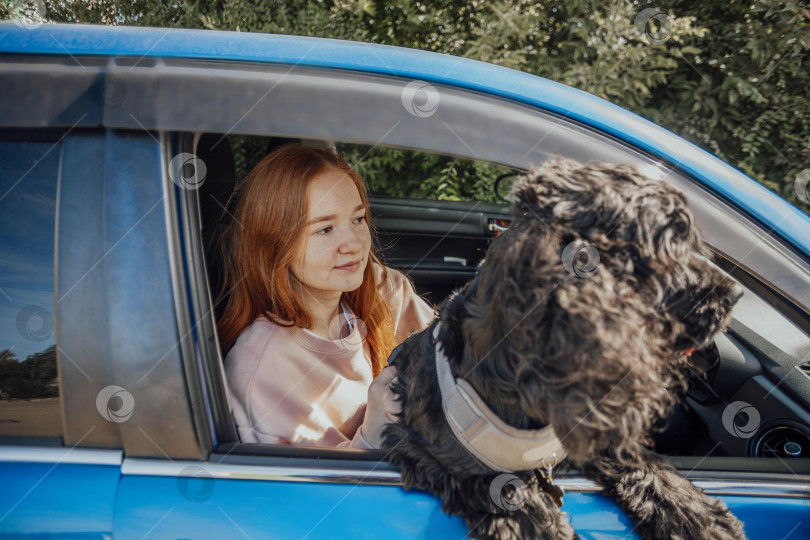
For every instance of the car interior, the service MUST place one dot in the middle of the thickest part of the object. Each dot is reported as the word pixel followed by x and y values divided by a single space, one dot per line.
pixel 750 395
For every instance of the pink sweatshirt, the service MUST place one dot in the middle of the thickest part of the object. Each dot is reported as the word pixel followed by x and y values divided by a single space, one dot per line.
pixel 289 386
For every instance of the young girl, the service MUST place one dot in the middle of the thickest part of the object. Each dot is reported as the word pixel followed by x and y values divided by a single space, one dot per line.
pixel 311 315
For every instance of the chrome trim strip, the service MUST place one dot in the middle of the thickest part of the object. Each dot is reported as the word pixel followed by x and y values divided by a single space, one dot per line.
pixel 578 484
pixel 764 485
pixel 749 487
pixel 329 475
pixel 73 456
pixel 194 404
pixel 739 488
pixel 799 489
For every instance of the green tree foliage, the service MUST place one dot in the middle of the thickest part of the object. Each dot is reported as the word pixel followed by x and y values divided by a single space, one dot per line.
pixel 746 88
pixel 402 173
pixel 730 76
pixel 35 377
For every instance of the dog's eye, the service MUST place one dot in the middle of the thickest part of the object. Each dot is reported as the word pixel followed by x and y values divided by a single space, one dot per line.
pixel 681 227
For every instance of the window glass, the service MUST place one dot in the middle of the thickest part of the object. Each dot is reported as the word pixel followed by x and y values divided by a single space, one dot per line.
pixel 29 384
pixel 412 174
pixel 396 172
pixel 434 221
pixel 248 150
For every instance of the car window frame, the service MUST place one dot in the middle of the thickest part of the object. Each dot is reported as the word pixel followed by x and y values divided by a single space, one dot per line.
pixel 711 209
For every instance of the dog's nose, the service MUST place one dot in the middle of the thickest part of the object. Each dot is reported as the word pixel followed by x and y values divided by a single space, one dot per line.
pixel 734 294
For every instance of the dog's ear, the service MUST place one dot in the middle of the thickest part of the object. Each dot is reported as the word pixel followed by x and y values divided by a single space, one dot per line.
pixel 661 229
pixel 589 372
pixel 590 367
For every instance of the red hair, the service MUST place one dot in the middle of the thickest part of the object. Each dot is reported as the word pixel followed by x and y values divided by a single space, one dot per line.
pixel 260 244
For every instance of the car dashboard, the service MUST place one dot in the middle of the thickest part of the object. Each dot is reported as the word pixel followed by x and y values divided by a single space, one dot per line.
pixel 749 397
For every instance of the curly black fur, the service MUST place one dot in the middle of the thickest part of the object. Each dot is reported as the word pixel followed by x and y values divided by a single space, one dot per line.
pixel 599 355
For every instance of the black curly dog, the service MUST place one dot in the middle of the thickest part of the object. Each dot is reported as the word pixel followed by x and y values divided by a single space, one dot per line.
pixel 549 336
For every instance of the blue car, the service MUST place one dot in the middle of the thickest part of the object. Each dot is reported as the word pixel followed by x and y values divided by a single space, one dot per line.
pixel 121 151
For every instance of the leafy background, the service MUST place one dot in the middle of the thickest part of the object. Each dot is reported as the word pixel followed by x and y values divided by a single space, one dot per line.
pixel 732 77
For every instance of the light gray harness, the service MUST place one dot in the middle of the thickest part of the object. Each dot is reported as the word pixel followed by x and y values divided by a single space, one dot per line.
pixel 492 441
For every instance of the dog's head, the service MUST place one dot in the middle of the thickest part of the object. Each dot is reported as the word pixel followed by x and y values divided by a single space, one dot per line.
pixel 583 310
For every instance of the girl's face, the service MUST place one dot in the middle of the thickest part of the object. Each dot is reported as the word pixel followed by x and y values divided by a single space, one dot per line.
pixel 333 252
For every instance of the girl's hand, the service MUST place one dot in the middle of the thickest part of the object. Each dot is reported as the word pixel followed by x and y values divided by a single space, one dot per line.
pixel 381 408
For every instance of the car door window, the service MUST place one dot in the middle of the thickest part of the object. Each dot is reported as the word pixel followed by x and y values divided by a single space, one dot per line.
pixel 29 385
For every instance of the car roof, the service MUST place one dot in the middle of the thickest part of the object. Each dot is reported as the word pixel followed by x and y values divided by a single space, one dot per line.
pixel 769 209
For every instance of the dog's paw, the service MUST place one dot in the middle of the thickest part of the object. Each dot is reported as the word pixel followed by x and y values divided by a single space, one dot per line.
pixel 725 526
